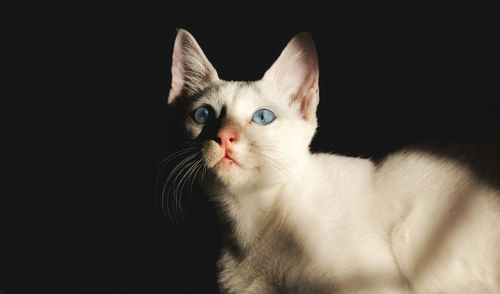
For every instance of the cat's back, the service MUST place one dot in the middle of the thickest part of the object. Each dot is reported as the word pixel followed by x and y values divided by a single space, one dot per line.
pixel 449 162
pixel 413 174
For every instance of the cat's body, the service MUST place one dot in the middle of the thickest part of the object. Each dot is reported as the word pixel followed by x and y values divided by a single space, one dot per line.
pixel 415 222
pixel 320 223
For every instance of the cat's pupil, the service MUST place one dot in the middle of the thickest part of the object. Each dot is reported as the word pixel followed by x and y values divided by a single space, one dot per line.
pixel 263 116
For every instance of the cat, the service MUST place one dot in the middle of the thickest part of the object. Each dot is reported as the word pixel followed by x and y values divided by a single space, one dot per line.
pixel 302 222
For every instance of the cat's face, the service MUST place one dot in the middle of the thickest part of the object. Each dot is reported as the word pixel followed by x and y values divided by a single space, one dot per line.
pixel 247 133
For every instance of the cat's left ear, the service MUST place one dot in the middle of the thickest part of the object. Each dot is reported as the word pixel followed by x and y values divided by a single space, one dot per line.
pixel 295 74
pixel 191 70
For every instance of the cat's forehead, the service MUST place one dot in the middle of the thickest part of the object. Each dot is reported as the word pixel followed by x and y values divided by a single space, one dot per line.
pixel 232 94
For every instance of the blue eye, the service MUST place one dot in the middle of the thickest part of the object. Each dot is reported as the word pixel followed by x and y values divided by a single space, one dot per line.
pixel 263 117
pixel 201 115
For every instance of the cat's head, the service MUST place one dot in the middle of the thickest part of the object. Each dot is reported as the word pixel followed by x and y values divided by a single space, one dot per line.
pixel 247 133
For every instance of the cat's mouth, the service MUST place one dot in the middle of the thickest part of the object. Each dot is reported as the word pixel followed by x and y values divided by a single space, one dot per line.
pixel 227 160
pixel 219 158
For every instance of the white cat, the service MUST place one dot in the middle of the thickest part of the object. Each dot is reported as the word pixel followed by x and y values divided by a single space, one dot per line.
pixel 321 223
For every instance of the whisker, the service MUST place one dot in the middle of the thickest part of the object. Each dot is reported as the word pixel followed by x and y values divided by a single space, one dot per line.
pixel 175 154
pixel 192 143
pixel 203 175
pixel 184 180
pixel 273 149
pixel 272 168
pixel 282 219
pixel 199 165
pixel 275 165
pixel 178 185
pixel 178 168
pixel 162 166
pixel 168 206
pixel 175 189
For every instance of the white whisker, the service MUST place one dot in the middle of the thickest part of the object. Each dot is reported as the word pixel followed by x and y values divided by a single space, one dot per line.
pixel 176 154
pixel 171 179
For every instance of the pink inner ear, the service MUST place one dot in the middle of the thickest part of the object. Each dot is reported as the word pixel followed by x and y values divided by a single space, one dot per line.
pixel 306 103
pixel 177 72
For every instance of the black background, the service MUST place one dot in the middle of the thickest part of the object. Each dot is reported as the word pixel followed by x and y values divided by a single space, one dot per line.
pixel 386 80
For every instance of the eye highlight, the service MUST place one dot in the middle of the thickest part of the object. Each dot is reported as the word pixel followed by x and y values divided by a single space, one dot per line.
pixel 263 117
pixel 201 114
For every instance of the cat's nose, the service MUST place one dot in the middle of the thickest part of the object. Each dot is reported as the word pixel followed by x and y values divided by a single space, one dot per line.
pixel 226 137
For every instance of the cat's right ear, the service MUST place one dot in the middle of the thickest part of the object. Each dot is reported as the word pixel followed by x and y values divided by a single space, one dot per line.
pixel 191 70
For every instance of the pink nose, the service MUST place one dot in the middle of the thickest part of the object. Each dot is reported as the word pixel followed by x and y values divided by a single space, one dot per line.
pixel 226 137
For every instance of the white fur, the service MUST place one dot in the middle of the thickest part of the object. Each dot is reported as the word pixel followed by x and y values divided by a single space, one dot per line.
pixel 417 223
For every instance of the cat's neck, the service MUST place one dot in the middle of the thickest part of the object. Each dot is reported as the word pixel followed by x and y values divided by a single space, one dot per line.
pixel 251 213
pixel 248 212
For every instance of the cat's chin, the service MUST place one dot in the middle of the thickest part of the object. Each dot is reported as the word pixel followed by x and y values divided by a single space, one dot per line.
pixel 226 169
pixel 226 162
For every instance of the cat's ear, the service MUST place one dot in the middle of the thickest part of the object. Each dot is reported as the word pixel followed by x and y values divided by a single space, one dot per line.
pixel 295 74
pixel 191 70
